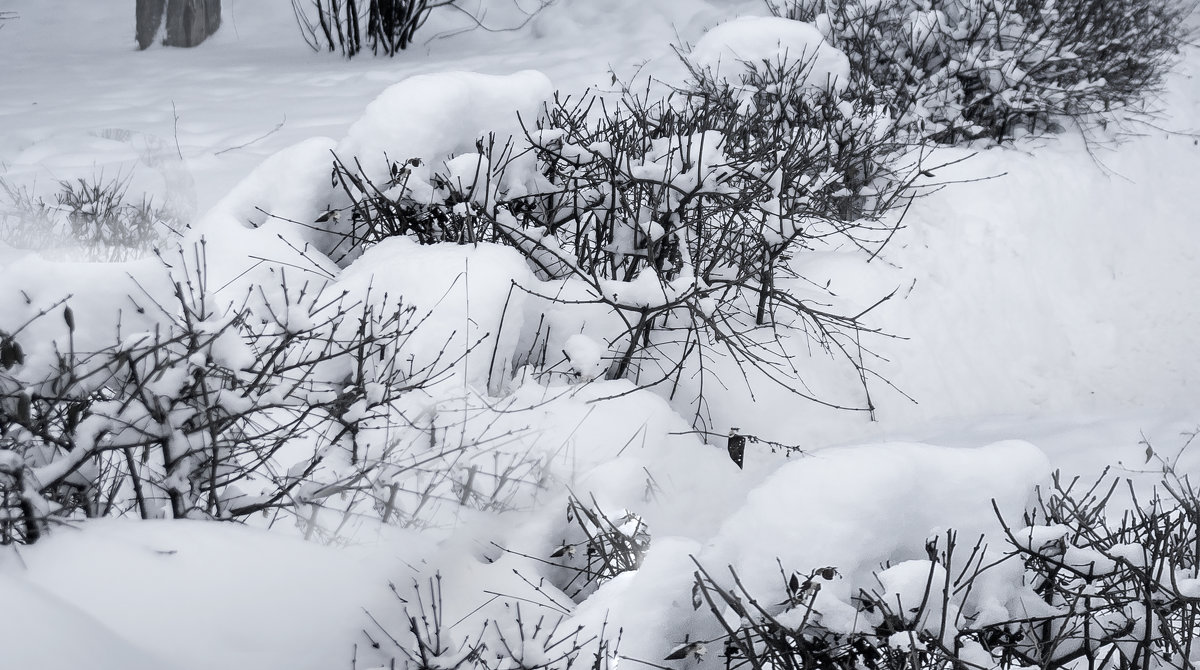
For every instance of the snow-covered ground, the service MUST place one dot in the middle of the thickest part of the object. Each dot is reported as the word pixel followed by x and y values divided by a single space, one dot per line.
pixel 1047 319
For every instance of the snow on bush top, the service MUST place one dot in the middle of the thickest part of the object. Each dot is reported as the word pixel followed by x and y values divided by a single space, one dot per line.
pixel 434 116
pixel 754 39
pixel 852 508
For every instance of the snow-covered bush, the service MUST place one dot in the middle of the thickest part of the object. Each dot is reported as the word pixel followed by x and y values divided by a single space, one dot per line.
pixel 679 217
pixel 453 207
pixel 287 403
pixel 91 218
pixel 687 215
pixel 1085 578
pixel 960 69
pixel 543 640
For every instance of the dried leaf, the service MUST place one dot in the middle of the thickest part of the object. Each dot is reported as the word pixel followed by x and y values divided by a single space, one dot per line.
pixel 737 448
pixel 24 408
pixel 695 649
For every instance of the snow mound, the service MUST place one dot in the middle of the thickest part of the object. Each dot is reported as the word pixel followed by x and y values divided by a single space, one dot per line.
pixel 463 296
pixel 434 116
pixel 855 508
pixel 754 39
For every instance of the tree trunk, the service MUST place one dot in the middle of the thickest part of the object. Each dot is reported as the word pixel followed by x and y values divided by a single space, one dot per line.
pixel 187 22
pixel 149 20
pixel 212 16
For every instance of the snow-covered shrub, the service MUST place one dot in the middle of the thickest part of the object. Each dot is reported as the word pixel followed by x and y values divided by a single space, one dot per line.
pixel 1084 579
pixel 959 69
pixel 688 216
pixel 681 217
pixel 517 640
pixel 1112 584
pixel 93 218
pixel 285 403
pixel 454 207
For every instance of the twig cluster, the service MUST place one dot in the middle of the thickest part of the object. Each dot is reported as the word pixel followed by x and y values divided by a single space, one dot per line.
pixel 515 641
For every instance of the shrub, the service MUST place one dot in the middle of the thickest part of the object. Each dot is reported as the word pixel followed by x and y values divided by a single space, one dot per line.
pixel 337 25
pixel 1113 584
pixel 285 404
pixel 597 547
pixel 962 69
pixel 515 640
pixel 91 218
pixel 682 214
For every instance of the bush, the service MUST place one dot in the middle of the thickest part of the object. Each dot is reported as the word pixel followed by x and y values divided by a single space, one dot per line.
pixel 596 547
pixel 681 214
pixel 961 69
pixel 515 641
pixel 287 405
pixel 1112 584
pixel 337 25
pixel 91 218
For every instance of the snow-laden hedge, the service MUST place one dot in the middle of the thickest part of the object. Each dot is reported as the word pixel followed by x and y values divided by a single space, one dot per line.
pixel 1087 576
pixel 672 221
pixel 1079 580
pixel 961 69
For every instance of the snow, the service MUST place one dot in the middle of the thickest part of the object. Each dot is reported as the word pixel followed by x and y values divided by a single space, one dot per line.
pixel 435 116
pixel 92 643
pixel 255 598
pixel 463 297
pixel 586 355
pixel 1043 308
pixel 755 40
pixel 863 506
